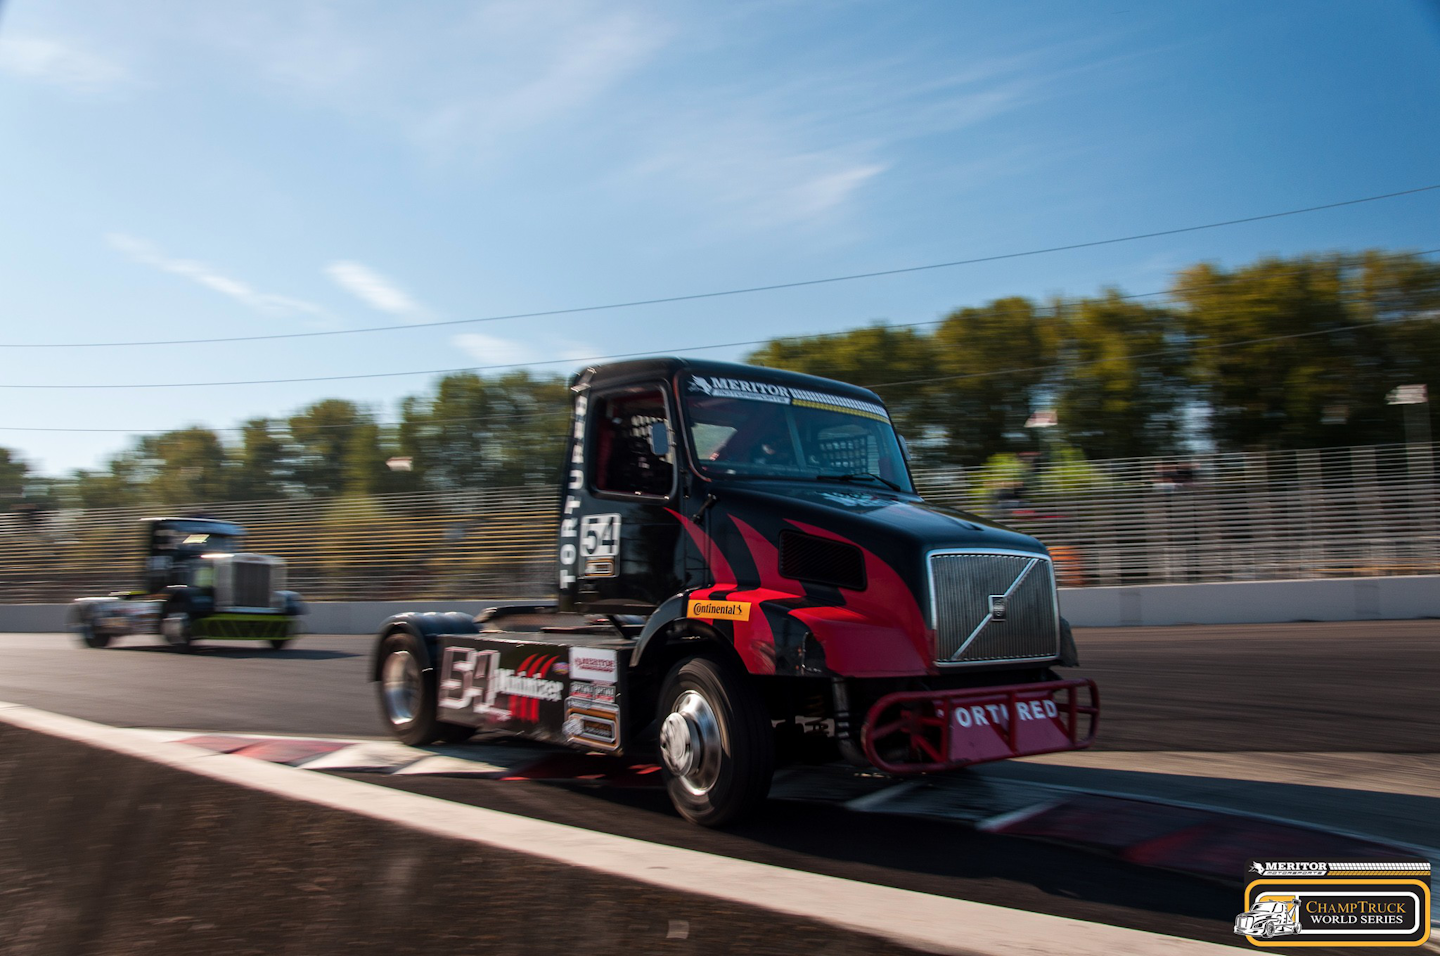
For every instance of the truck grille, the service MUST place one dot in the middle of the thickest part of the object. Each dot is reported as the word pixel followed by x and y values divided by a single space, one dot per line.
pixel 991 607
pixel 252 584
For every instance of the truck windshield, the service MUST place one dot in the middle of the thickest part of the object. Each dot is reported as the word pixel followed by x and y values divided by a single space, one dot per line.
pixel 188 544
pixel 747 428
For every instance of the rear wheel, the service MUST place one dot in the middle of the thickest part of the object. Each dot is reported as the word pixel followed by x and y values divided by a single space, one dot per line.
pixel 407 695
pixel 716 745
pixel 83 627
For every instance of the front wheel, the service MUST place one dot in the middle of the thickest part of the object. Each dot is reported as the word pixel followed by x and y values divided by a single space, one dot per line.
pixel 407 696
pixel 716 745
pixel 178 630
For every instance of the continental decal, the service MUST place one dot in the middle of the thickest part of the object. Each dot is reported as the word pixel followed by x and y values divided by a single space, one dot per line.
pixel 724 610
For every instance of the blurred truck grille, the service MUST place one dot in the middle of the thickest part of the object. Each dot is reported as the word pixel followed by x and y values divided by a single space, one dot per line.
pixel 252 584
pixel 990 607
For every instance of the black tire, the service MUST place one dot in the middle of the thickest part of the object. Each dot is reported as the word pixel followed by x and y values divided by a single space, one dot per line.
pixel 454 733
pixel 84 629
pixel 292 632
pixel 407 695
pixel 719 773
pixel 177 627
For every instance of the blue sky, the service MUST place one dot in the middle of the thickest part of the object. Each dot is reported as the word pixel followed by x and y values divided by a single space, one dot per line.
pixel 179 169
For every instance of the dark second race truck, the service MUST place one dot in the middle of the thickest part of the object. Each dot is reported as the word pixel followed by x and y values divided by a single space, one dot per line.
pixel 195 583
pixel 746 575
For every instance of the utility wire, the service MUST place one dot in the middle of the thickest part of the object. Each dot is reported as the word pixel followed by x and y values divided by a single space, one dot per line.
pixel 689 349
pixel 664 300
pixel 545 362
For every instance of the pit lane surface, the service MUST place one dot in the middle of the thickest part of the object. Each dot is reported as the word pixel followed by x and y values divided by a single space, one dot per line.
pixel 1357 687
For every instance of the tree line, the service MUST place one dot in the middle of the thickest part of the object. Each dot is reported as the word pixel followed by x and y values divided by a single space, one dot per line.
pixel 1280 353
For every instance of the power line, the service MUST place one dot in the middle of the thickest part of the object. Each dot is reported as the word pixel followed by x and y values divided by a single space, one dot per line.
pixel 626 355
pixel 1182 347
pixel 691 297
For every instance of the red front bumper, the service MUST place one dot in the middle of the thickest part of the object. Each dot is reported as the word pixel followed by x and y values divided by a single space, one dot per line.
pixel 927 731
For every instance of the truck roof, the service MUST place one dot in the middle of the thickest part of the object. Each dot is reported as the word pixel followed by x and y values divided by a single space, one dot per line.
pixel 197 525
pixel 620 373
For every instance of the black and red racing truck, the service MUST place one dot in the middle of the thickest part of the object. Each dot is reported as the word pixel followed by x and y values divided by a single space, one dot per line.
pixel 747 575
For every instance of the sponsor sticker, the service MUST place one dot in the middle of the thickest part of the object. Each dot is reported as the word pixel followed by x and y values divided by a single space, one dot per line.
pixel 1350 902
pixel 722 610
pixel 593 664
pixel 756 391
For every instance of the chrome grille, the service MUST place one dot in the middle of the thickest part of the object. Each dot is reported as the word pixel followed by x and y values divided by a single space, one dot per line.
pixel 990 607
pixel 252 584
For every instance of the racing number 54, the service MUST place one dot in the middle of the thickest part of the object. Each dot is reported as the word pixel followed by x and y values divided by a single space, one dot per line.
pixel 600 536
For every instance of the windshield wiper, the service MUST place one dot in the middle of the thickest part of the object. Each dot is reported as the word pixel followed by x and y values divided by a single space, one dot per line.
pixel 861 475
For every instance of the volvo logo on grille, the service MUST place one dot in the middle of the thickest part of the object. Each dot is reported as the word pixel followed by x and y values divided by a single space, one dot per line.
pixel 997 607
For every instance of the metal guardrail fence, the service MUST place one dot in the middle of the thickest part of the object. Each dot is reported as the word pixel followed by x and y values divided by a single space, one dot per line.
pixel 1338 512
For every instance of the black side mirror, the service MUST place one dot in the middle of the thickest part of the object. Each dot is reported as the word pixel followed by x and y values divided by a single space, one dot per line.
pixel 659 439
pixel 904 447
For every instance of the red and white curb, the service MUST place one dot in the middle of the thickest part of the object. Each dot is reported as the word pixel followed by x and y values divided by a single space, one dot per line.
pixel 931 923
pixel 1198 841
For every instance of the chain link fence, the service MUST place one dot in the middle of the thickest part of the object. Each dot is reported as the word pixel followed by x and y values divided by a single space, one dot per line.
pixel 1337 512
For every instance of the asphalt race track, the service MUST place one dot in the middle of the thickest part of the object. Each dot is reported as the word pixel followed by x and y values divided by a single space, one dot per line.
pixel 1292 687
pixel 1300 687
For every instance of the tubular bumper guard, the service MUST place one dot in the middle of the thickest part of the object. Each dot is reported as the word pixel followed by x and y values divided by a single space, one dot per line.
pixel 927 731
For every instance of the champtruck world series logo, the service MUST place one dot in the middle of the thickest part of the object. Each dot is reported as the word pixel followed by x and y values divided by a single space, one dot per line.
pixel 1351 902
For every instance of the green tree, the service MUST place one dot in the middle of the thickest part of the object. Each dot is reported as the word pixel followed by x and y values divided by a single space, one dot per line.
pixel 1121 388
pixel 13 476
pixel 991 364
pixel 337 449
pixel 1401 294
pixel 186 466
pixel 262 463
pixel 896 362
pixel 1312 371
pixel 478 432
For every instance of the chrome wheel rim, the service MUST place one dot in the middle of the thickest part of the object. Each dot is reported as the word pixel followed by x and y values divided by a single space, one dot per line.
pixel 176 627
pixel 690 743
pixel 401 683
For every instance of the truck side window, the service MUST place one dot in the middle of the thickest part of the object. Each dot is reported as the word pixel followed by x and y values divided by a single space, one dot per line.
pixel 623 460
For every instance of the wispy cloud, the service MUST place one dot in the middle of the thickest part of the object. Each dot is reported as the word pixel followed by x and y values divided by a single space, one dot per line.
pixel 147 253
pixel 494 350
pixel 62 63
pixel 800 149
pixel 456 84
pixel 373 289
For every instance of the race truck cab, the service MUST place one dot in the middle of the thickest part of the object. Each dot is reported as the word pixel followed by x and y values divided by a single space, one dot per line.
pixel 746 573
pixel 196 583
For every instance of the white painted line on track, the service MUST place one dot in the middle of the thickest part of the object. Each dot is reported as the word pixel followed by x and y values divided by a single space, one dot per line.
pixel 450 766
pixel 381 756
pixel 873 802
pixel 990 824
pixel 934 924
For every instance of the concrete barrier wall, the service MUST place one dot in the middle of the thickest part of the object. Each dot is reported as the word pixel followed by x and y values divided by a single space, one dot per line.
pixel 1249 602
pixel 1255 602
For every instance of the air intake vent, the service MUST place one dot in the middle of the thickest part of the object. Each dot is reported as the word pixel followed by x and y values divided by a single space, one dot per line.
pixel 806 557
